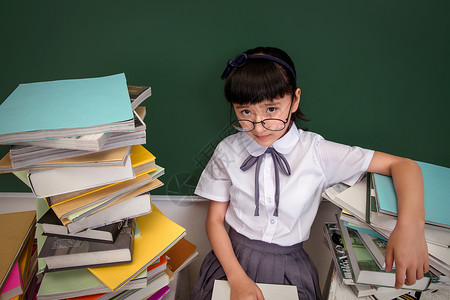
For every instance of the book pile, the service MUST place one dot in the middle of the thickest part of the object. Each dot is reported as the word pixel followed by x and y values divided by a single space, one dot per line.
pixel 79 149
pixel 358 239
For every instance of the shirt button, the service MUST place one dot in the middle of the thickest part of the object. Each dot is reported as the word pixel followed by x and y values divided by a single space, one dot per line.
pixel 272 221
pixel 269 200
pixel 268 170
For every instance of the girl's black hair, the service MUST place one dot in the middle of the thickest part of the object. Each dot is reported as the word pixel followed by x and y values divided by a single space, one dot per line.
pixel 261 79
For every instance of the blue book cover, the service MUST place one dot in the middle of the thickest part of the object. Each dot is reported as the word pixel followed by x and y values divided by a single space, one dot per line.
pixel 437 190
pixel 366 230
pixel 64 104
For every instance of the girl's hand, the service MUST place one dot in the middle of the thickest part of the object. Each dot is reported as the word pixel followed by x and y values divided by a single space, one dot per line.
pixel 406 245
pixel 242 287
pixel 245 289
pixel 408 248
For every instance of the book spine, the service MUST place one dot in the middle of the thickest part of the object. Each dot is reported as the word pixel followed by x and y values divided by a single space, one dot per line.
pixel 339 253
pixel 368 197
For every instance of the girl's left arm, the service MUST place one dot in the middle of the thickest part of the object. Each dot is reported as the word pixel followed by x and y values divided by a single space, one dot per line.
pixel 406 245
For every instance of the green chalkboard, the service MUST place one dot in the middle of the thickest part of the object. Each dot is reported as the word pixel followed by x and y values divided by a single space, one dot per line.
pixel 372 73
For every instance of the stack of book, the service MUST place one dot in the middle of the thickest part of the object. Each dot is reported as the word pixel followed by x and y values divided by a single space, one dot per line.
pixel 79 149
pixel 56 120
pixel 358 238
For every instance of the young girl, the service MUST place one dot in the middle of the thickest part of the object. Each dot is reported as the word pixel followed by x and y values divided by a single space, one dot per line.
pixel 266 182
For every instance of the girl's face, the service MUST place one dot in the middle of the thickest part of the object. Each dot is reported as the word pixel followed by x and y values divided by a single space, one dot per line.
pixel 268 109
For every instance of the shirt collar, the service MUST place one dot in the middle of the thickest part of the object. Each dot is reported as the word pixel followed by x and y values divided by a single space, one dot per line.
pixel 284 145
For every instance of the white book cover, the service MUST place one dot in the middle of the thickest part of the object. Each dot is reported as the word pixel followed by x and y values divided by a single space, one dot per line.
pixel 51 182
pixel 353 199
pixel 221 291
pixel 131 208
pixel 440 253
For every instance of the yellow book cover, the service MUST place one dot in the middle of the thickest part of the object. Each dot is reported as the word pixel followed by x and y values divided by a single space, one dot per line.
pixel 141 111
pixel 140 156
pixel 158 234
pixel 25 258
pixel 5 164
pixel 142 160
pixel 91 210
pixel 90 199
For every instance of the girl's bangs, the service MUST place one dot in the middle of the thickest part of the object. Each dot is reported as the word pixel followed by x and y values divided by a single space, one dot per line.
pixel 257 81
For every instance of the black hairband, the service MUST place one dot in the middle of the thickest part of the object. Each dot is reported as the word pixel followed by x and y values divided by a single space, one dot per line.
pixel 241 60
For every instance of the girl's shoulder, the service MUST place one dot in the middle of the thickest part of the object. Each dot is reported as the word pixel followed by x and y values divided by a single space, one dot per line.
pixel 232 143
pixel 231 140
pixel 309 137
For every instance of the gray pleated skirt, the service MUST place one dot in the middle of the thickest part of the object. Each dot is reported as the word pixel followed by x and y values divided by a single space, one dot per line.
pixel 264 263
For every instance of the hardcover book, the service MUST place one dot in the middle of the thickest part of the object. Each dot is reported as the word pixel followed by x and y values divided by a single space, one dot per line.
pixel 376 247
pixel 338 252
pixel 437 189
pixel 156 268
pixel 102 196
pixel 61 253
pixel 180 254
pixel 130 208
pixel 356 201
pixel 52 226
pixel 14 286
pixel 364 267
pixel 15 228
pixel 50 182
pixel 91 211
pixel 158 235
pixel 138 94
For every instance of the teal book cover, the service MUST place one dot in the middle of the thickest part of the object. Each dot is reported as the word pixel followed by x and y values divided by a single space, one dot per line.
pixel 437 189
pixel 70 103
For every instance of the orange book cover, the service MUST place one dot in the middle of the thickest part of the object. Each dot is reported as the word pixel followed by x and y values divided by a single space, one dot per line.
pixel 162 261
pixel 14 228
pixel 178 254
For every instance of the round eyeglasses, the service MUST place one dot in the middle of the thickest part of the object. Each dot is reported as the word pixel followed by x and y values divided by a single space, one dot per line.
pixel 269 124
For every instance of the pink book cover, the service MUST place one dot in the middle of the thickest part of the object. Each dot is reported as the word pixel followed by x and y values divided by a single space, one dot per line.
pixel 14 282
pixel 160 293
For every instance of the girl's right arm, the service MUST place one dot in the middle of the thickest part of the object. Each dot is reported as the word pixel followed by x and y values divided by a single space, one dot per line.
pixel 242 287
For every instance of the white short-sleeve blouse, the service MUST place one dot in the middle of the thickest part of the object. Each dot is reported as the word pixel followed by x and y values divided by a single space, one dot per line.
pixel 315 165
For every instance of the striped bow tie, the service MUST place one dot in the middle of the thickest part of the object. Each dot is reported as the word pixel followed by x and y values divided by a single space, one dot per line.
pixel 280 162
